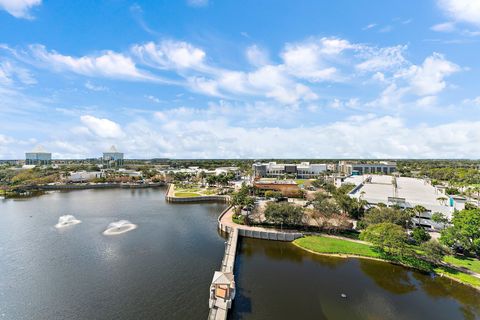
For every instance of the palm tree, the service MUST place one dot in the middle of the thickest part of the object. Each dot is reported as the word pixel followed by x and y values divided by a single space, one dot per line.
pixel 476 190
pixel 418 210
pixel 442 200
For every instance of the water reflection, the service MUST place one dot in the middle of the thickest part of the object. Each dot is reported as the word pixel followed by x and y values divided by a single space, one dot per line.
pixel 277 280
pixel 388 276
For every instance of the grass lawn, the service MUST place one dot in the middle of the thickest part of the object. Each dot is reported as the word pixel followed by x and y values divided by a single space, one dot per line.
pixel 301 181
pixel 186 194
pixel 331 245
pixel 322 244
pixel 471 264
pixel 463 277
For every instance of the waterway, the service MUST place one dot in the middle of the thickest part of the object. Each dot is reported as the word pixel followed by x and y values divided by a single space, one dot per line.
pixel 160 270
pixel 163 268
pixel 277 280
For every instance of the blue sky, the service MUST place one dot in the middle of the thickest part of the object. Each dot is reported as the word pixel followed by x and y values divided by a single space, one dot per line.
pixel 241 79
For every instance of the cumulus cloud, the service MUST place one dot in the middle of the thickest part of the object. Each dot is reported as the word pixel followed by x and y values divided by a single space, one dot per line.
pixel 197 134
pixel 462 10
pixel 103 128
pixel 107 64
pixel 428 78
pixel 257 56
pixel 169 54
pixel 308 59
pixel 19 8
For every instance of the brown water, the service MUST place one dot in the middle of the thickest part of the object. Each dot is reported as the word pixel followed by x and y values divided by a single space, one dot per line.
pixel 277 280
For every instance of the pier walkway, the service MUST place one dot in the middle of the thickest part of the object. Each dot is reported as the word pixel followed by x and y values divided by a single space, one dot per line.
pixel 224 280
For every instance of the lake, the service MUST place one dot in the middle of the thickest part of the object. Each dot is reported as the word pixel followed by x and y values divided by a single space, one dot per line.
pixel 163 269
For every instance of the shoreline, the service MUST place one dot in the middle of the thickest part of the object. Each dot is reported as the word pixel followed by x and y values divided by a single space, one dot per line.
pixel 170 197
pixel 348 255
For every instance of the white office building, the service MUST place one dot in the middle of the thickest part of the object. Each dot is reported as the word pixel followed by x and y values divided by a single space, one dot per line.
pixel 406 193
pixel 304 170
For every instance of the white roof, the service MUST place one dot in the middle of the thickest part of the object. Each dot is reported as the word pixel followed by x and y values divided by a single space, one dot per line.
pixel 222 277
pixel 415 191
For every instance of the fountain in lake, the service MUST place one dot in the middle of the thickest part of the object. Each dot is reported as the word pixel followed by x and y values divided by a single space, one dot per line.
pixel 119 227
pixel 67 220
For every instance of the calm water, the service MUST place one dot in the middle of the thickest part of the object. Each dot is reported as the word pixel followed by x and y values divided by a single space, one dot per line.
pixel 280 281
pixel 162 270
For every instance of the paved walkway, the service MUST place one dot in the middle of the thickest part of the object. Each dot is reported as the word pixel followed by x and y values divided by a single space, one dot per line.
pixel 227 221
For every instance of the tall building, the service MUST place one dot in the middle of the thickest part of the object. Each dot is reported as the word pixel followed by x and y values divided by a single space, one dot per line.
pixel 38 156
pixel 112 158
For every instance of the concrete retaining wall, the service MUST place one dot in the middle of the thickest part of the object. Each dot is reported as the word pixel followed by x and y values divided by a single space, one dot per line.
pixel 251 233
pixel 193 199
pixel 197 199
pixel 95 186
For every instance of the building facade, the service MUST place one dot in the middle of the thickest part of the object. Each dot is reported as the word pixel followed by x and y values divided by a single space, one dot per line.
pixel 39 156
pixel 113 158
pixel 304 170
pixel 381 167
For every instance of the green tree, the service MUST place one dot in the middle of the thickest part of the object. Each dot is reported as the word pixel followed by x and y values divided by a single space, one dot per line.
pixel 464 232
pixel 273 194
pixel 386 214
pixel 433 251
pixel 439 217
pixel 283 212
pixel 420 235
pixel 387 237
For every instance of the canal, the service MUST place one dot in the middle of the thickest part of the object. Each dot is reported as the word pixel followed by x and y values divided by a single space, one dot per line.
pixel 163 269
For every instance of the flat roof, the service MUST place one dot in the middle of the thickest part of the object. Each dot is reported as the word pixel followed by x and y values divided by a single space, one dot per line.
pixel 415 191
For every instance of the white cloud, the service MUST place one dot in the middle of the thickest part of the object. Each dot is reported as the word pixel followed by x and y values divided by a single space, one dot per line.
pixel 90 86
pixel 170 54
pixel 197 3
pixel 308 60
pixel 462 10
pixel 107 64
pixel 202 135
pixel 153 98
pixel 103 128
pixel 444 27
pixel 475 101
pixel 377 59
pixel 257 56
pixel 11 72
pixel 19 8
pixel 369 26
pixel 427 101
pixel 428 79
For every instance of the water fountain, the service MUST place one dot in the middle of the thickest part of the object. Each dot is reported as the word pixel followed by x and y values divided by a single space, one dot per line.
pixel 119 227
pixel 67 220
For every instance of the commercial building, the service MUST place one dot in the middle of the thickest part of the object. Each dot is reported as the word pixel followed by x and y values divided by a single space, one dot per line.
pixel 406 193
pixel 382 167
pixel 112 158
pixel 38 156
pixel 304 170
pixel 84 176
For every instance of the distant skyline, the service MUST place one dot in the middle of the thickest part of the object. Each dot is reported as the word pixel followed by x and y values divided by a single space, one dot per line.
pixel 241 79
